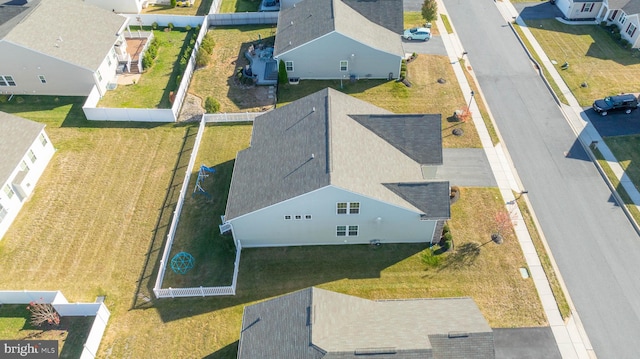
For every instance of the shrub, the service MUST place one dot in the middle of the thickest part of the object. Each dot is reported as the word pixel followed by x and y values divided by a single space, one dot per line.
pixel 603 24
pixel 154 25
pixel 202 58
pixel 208 43
pixel 211 105
pixel 192 41
pixel 624 43
pixel 617 36
pixel 147 62
pixel 173 3
pixel 282 73
pixel 430 258
pixel 4 98
pixel 170 25
pixel 187 28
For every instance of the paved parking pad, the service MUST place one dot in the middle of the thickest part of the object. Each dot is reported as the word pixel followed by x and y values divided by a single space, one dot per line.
pixel 466 167
pixel 615 124
pixel 525 343
pixel 434 46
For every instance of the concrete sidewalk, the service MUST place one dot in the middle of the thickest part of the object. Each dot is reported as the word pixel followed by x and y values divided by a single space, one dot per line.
pixel 570 336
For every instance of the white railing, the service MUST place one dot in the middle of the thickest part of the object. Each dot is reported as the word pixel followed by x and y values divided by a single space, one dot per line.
pixel 64 309
pixel 231 117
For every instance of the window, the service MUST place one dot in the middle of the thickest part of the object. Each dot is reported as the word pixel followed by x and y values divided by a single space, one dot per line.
pixel 348 207
pixel 32 156
pixel 8 191
pixel 353 231
pixel 7 81
pixel 42 79
pixel 298 216
pixel 623 18
pixel 23 166
pixel 346 231
pixel 43 139
pixel 344 65
pixel 3 213
pixel 307 216
pixel 109 60
pixel 631 30
pixel 287 217
pixel 587 7
pixel 99 75
pixel 288 65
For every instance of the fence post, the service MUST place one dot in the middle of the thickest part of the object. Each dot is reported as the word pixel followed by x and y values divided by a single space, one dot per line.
pixel 201 291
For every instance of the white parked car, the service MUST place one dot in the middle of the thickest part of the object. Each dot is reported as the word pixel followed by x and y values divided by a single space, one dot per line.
pixel 417 33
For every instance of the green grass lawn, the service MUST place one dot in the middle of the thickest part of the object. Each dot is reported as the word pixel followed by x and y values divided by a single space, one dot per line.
pixel 625 148
pixel 218 80
pixel 415 19
pixel 71 333
pixel 229 6
pixel 200 8
pixel 156 83
pixel 593 58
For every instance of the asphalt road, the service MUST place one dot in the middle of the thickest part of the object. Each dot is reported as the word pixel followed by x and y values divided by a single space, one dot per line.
pixel 593 243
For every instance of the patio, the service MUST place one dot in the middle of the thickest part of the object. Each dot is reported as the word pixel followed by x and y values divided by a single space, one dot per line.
pixel 262 67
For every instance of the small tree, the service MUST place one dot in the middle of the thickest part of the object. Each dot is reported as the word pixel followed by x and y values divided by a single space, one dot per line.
pixel 42 313
pixel 503 222
pixel 211 105
pixel 174 3
pixel 429 10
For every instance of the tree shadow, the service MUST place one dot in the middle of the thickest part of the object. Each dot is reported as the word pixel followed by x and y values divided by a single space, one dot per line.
pixel 463 256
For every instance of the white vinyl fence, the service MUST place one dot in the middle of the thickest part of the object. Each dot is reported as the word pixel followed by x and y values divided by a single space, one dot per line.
pixel 243 18
pixel 231 117
pixel 195 291
pixel 64 309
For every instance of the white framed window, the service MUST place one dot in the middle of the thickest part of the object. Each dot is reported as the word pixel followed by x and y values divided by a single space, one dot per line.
pixel 587 7
pixel 631 30
pixel 3 213
pixel 298 216
pixel 99 75
pixel 42 79
pixel 347 231
pixel 287 217
pixel 7 80
pixel 43 139
pixel 623 18
pixel 8 191
pixel 288 65
pixel 307 216
pixel 109 60
pixel 344 66
pixel 348 208
pixel 32 156
pixel 23 166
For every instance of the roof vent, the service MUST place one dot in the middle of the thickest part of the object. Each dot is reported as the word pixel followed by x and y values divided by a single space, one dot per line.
pixel 313 156
pixel 291 22
pixel 313 109
pixel 458 334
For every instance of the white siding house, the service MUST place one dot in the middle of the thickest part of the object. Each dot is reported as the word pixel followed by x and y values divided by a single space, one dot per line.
pixel 331 169
pixel 579 9
pixel 625 14
pixel 58 47
pixel 329 39
pixel 26 151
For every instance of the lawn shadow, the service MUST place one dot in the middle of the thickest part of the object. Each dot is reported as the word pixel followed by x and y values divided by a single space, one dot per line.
pixel 462 257
pixel 247 5
pixel 269 272
pixel 228 352
pixel 143 294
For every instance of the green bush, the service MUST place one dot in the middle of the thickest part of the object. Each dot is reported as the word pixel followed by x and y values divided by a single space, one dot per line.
pixel 208 43
pixel 202 58
pixel 617 36
pixel 430 258
pixel 282 73
pixel 624 43
pixel 173 3
pixel 154 25
pixel 170 25
pixel 211 105
pixel 603 24
pixel 187 28
pixel 147 62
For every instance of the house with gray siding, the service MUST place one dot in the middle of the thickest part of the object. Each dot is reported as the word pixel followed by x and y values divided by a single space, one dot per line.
pixel 331 169
pixel 340 39
pixel 59 47
pixel 314 323
pixel 26 152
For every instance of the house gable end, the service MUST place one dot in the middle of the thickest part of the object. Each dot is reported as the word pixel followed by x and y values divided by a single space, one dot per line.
pixel 432 198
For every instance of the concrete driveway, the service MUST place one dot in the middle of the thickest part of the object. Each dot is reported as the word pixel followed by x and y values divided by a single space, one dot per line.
pixel 433 46
pixel 592 241
pixel 615 124
pixel 525 343
pixel 537 10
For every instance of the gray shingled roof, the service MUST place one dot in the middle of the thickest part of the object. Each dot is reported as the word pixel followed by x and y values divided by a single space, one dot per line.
pixel 311 19
pixel 316 141
pixel 432 198
pixel 313 321
pixel 16 136
pixel 630 7
pixel 69 30
pixel 386 13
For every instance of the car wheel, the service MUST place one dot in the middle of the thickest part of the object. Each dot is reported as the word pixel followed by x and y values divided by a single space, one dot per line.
pixel 628 111
pixel 409 38
pixel 604 113
pixel 425 39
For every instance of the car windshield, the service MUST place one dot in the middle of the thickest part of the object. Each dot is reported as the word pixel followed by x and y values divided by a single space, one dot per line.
pixel 413 30
pixel 608 101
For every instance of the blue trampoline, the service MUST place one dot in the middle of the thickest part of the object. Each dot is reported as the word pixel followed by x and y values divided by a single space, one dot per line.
pixel 182 262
